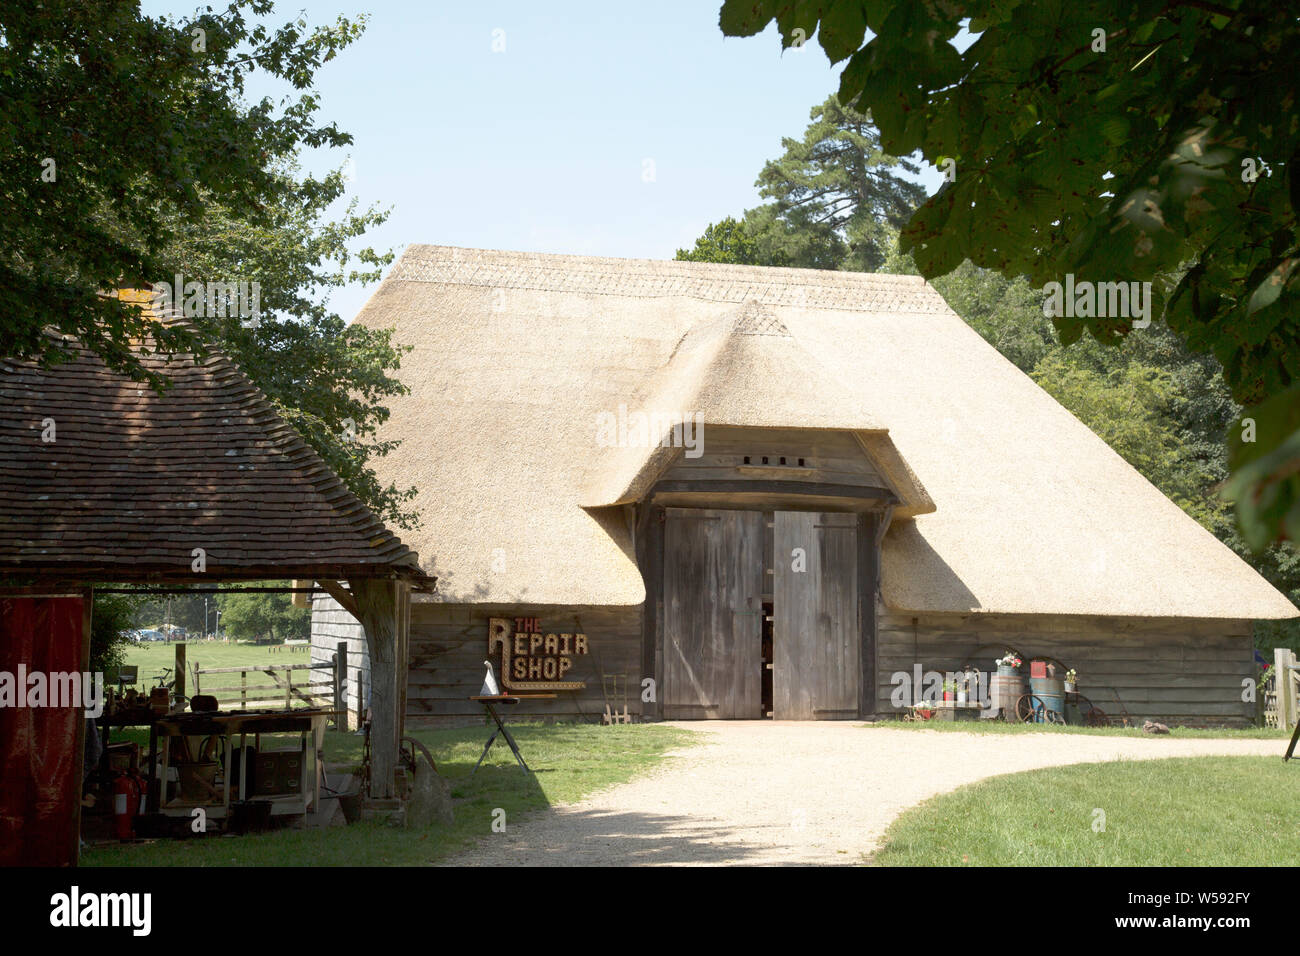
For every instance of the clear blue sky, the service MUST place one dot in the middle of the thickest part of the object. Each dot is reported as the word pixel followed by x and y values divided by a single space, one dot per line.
pixel 542 147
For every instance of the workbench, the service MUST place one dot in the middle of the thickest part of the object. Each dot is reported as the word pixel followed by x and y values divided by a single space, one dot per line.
pixel 309 724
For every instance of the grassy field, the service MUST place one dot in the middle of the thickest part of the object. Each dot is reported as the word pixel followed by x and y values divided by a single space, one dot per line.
pixel 152 657
pixel 1001 727
pixel 569 761
pixel 1197 811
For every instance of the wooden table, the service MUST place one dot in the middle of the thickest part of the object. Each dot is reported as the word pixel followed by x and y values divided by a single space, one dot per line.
pixel 487 700
pixel 310 724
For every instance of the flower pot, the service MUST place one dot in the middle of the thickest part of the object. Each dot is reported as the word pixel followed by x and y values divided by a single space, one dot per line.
pixel 948 695
pixel 1006 670
pixel 1069 687
pixel 961 697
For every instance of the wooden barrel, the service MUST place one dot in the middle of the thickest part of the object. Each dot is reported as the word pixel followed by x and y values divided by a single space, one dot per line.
pixel 1004 691
pixel 1051 692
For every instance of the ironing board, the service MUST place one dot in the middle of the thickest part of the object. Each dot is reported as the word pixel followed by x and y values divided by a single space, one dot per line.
pixel 488 700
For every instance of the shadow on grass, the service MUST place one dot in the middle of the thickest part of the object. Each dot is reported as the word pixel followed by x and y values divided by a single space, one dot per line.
pixel 607 838
pixel 569 762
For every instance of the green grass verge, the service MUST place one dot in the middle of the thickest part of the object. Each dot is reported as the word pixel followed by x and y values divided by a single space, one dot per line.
pixel 1185 811
pixel 1002 727
pixel 570 761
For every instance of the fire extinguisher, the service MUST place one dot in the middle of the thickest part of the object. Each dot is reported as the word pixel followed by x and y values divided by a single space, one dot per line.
pixel 126 803
pixel 142 791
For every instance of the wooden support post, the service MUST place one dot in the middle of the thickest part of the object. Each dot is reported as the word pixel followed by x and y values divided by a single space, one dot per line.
pixel 402 597
pixel 1284 680
pixel 179 691
pixel 868 524
pixel 650 557
pixel 361 698
pixel 378 611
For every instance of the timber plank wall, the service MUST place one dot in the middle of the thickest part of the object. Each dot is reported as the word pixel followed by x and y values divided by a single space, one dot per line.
pixel 329 625
pixel 1178 671
pixel 449 643
pixel 821 457
pixel 449 646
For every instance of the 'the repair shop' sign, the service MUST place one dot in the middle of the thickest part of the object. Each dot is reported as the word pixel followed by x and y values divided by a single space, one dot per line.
pixel 532 659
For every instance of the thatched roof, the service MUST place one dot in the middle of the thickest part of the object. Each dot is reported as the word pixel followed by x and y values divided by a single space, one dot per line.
pixel 743 369
pixel 102 479
pixel 1015 506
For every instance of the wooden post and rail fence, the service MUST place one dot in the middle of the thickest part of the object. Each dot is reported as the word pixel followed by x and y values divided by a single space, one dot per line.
pixel 271 686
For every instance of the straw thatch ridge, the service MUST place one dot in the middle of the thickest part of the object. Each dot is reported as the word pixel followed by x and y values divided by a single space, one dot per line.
pixel 653 278
pixel 517 354
pixel 744 369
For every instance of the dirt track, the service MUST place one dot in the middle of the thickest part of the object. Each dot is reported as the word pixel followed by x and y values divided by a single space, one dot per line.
pixel 759 792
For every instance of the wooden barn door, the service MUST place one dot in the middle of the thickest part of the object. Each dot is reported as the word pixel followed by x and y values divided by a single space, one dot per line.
pixel 816 634
pixel 713 586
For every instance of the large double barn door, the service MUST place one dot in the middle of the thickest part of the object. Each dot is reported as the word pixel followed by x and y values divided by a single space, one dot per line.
pixel 713 588
pixel 816 631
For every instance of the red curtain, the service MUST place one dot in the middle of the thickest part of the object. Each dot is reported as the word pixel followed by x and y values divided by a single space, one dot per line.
pixel 40 785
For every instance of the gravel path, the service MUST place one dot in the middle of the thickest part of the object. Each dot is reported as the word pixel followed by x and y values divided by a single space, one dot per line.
pixel 764 792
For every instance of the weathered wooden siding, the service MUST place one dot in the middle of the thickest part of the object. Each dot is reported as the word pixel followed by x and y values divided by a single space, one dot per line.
pixel 828 457
pixel 329 625
pixel 449 645
pixel 1185 671
pixel 713 586
pixel 1178 671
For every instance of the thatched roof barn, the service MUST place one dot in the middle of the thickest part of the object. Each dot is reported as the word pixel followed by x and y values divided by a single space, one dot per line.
pixel 544 435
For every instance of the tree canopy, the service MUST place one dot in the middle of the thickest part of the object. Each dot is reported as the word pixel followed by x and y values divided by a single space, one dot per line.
pixel 326 378
pixel 116 129
pixel 835 201
pixel 1117 141
pixel 129 155
pixel 263 616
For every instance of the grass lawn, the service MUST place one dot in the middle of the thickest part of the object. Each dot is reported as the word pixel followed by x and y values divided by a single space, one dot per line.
pixel 570 761
pixel 1186 811
pixel 152 656
pixel 1002 727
